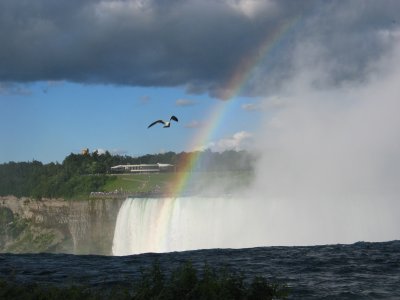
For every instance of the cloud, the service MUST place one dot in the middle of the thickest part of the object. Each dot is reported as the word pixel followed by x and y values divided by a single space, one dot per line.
pixel 251 106
pixel 196 43
pixel 47 86
pixel 239 141
pixel 101 151
pixel 144 99
pixel 14 89
pixel 185 102
pixel 194 124
pixel 268 103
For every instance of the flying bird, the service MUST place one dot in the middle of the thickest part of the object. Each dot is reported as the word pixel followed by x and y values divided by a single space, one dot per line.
pixel 166 124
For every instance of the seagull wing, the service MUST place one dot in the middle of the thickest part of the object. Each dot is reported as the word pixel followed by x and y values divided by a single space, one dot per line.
pixel 155 122
pixel 174 118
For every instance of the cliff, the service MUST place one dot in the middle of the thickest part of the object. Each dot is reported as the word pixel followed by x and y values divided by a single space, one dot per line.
pixel 57 226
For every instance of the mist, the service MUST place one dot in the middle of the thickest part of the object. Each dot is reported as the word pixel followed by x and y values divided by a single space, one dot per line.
pixel 329 168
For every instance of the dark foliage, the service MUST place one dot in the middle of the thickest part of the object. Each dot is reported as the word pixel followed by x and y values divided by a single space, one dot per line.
pixel 10 291
pixel 186 282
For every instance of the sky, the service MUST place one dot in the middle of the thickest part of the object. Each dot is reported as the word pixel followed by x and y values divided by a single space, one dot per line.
pixel 94 74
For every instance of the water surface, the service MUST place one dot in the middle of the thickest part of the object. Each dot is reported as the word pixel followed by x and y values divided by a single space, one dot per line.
pixel 357 271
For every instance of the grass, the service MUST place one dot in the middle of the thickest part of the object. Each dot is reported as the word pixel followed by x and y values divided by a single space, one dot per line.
pixel 134 183
pixel 145 183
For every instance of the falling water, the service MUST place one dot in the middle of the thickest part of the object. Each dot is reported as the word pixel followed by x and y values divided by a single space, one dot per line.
pixel 189 223
pixel 177 224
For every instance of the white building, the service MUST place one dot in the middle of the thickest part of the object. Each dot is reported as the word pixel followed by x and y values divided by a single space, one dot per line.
pixel 143 168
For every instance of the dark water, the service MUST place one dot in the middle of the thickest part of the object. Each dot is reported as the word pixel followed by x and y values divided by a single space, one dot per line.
pixel 357 271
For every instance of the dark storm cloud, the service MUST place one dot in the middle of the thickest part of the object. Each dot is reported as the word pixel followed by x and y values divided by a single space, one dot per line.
pixel 196 43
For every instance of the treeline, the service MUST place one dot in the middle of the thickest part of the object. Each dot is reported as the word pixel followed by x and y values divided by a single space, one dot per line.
pixel 71 177
pixel 34 179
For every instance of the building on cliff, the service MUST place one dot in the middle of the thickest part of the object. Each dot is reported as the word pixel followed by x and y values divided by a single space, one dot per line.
pixel 143 168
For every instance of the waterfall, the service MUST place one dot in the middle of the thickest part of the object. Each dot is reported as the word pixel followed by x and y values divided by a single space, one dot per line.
pixel 178 224
pixel 189 223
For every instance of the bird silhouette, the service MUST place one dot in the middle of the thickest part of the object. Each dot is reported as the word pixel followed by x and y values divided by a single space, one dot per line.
pixel 166 123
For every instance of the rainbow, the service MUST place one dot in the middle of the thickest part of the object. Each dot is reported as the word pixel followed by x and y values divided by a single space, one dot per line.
pixel 233 86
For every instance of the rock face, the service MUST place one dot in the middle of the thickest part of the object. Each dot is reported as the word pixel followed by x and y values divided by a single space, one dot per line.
pixel 57 226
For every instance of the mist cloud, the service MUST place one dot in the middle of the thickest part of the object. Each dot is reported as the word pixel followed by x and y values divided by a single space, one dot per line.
pixel 329 169
pixel 239 141
pixel 195 43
